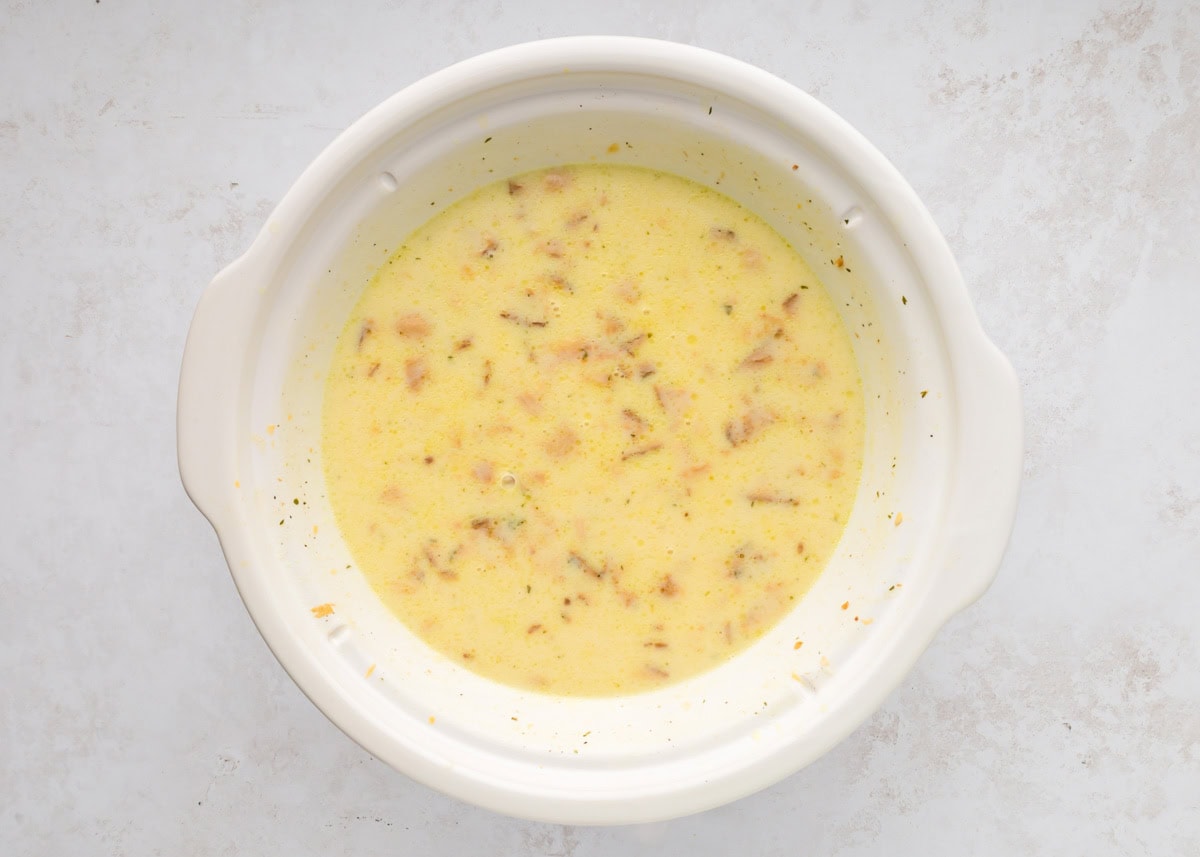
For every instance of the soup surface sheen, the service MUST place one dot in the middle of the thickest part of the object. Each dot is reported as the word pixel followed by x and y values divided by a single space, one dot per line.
pixel 592 430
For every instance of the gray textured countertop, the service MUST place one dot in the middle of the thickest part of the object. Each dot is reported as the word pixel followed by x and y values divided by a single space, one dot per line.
pixel 142 146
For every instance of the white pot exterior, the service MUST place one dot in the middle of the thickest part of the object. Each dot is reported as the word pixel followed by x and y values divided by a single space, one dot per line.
pixel 943 449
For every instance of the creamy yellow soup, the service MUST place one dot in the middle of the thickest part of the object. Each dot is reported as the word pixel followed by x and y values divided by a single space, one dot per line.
pixel 592 430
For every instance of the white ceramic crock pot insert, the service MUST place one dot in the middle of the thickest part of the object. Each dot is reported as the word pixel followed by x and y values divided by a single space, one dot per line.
pixel 934 509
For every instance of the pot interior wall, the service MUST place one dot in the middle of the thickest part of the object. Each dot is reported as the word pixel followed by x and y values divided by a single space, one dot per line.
pixel 770 693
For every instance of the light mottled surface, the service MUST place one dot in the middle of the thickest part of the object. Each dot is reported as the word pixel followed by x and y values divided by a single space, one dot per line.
pixel 141 147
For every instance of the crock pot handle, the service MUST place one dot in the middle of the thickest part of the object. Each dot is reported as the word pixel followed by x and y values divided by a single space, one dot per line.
pixel 211 387
pixel 987 483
